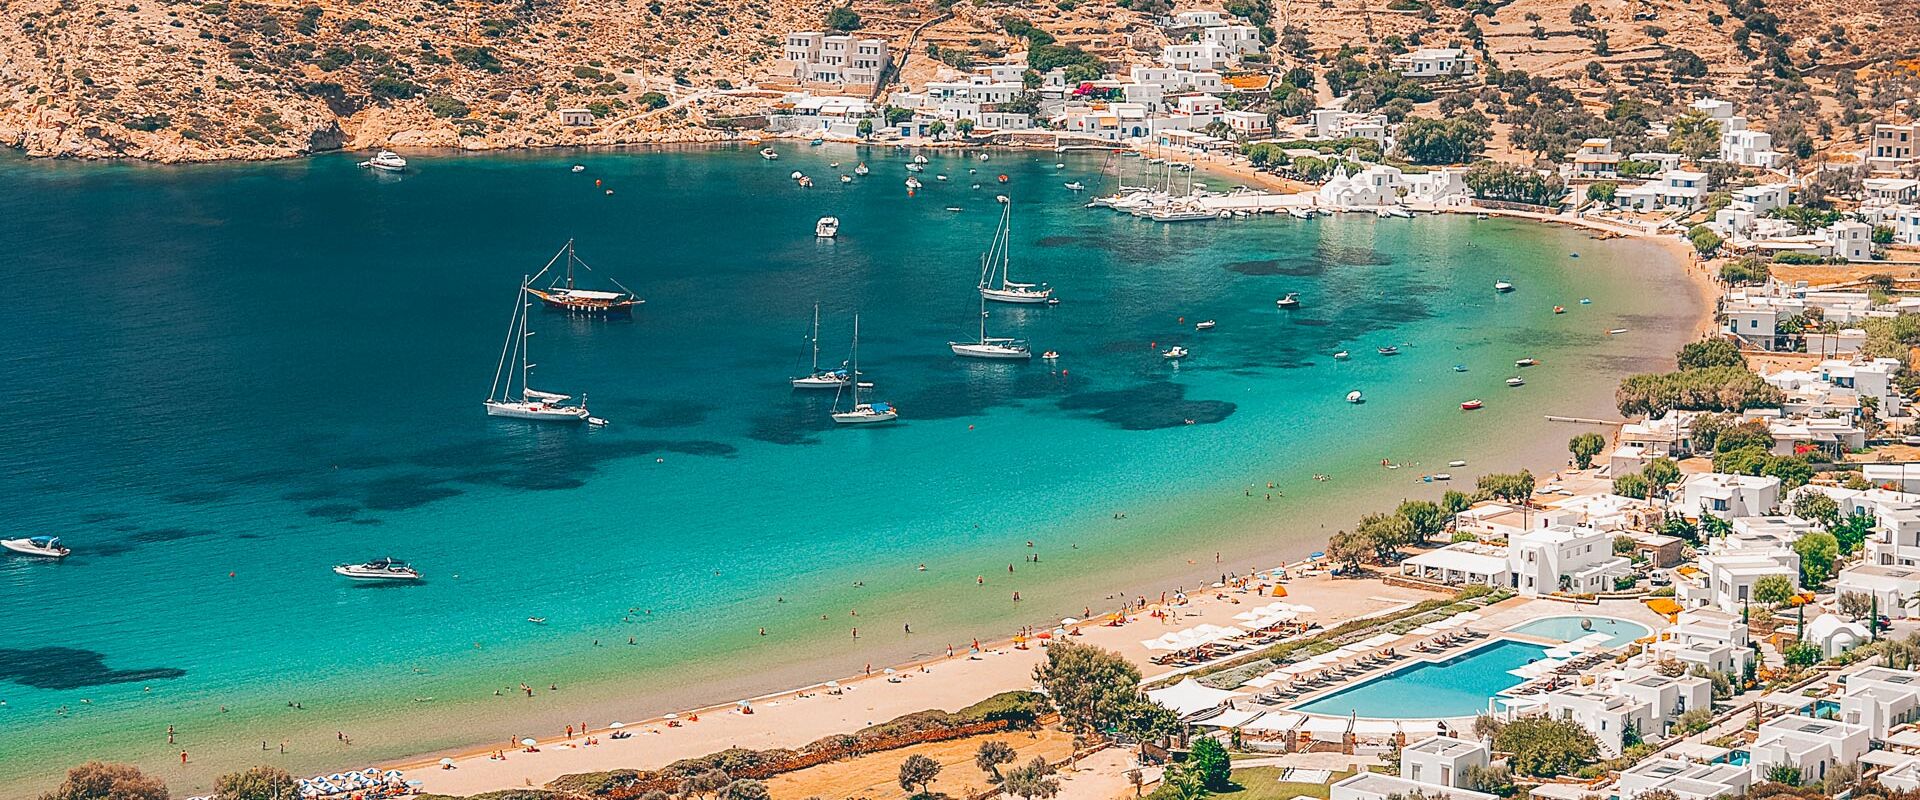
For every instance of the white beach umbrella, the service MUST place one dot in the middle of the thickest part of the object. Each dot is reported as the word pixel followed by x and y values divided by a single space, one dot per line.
pixel 1069 621
pixel 616 725
pixel 527 741
pixel 671 715
pixel 446 762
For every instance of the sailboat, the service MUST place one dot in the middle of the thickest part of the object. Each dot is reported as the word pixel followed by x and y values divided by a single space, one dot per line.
pixel 527 403
pixel 994 265
pixel 817 378
pixel 994 347
pixel 581 301
pixel 860 413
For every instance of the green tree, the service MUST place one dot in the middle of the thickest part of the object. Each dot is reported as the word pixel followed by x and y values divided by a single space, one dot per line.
pixel 653 100
pixel 1545 747
pixel 1816 507
pixel 1180 782
pixel 1089 685
pixel 1034 781
pixel 1817 551
pixel 1772 590
pixel 964 126
pixel 1801 654
pixel 1855 606
pixel 1660 473
pixel 1210 760
pixel 1144 721
pixel 1709 389
pixel 1585 446
pixel 258 783
pixel 936 127
pixel 747 789
pixel 1386 533
pixel 842 18
pixel 1603 191
pixel 1632 484
pixel 1443 141
pixel 97 780
pixel 1513 487
pixel 1455 501
pixel 1710 353
pixel 1853 531
pixel 993 753
pixel 865 128
pixel 918 771
pixel 1693 720
pixel 1424 517
pixel 1694 135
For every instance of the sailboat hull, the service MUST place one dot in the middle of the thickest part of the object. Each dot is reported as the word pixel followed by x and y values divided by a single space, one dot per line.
pixel 864 418
pixel 990 351
pixel 538 412
pixel 575 304
pixel 1011 296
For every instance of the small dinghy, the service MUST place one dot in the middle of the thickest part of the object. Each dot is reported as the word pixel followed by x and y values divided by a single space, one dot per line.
pixel 1355 397
pixel 1204 326
pixel 1472 405
pixel 1516 381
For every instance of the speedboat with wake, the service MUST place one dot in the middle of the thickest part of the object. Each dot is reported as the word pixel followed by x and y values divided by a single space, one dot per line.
pixel 42 546
pixel 385 569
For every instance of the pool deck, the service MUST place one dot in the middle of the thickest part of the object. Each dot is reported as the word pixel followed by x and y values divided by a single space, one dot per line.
pixel 1495 621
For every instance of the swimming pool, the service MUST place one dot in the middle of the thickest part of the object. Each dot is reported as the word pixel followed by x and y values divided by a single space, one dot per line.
pixel 1567 629
pixel 1460 686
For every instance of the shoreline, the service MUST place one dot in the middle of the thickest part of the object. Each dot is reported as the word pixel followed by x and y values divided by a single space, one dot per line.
pixel 1539 455
pixel 1243 535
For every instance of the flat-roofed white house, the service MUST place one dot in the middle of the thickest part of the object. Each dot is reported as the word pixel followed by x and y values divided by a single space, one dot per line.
pixel 1685 779
pixel 1435 62
pixel 1728 496
pixel 1673 189
pixel 1727 578
pixel 1378 786
pixel 1749 148
pixel 1440 760
pixel 1881 699
pixel 1891 586
pixel 1461 563
pixel 1891 191
pixel 1198 55
pixel 1247 123
pixel 1708 638
pixel 1564 558
pixel 1666 696
pixel 1606 715
pixel 1813 746
pixel 1595 159
pixel 1238 39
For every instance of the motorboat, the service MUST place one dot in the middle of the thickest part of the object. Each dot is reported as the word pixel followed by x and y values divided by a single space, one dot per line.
pixel 1076 186
pixel 859 413
pixel 42 546
pixel 511 396
pixel 1298 212
pixel 1616 331
pixel 768 154
pixel 385 569
pixel 1516 381
pixel 913 183
pixel 1559 309
pixel 1471 405
pixel 1459 368
pixel 1356 397
pixel 955 208
pixel 1586 301
pixel 1457 463
pixel 861 168
pixel 919 159
pixel 1342 355
pixel 797 175
pixel 939 177
pixel 1443 476
pixel 1526 362
pixel 1050 355
pixel 1389 350
pixel 579 168
pixel 1205 325
pixel 1175 351
pixel 827 227
pixel 1292 300
pixel 1392 211
pixel 915 168
pixel 1060 166
pixel 1502 287
pixel 386 161
pixel 846 179
pixel 995 264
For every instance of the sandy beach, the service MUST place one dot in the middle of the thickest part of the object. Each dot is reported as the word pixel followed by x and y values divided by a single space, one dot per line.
pixel 788 720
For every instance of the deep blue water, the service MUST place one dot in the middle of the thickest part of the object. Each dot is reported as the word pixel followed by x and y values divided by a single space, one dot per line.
pixel 227 378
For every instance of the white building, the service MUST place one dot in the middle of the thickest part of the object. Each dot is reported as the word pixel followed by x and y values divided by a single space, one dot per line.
pixel 1199 18
pixel 1441 760
pixel 1377 185
pixel 1247 124
pixel 1202 55
pixel 1564 558
pixel 1726 579
pixel 1333 123
pixel 1749 148
pixel 1880 699
pixel 1461 563
pixel 815 57
pixel 1606 715
pixel 1893 146
pixel 1891 191
pixel 1595 159
pixel 1439 188
pixel 1687 780
pixel 1236 39
pixel 1712 639
pixel 1673 189
pixel 1848 239
pixel 1729 496
pixel 1813 746
pixel 1437 62
pixel 1365 785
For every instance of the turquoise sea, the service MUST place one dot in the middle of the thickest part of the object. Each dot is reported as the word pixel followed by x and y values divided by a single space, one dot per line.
pixel 225 379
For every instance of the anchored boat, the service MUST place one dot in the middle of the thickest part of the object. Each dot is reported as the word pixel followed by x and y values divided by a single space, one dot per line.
pixel 510 395
pixel 42 546
pixel 561 295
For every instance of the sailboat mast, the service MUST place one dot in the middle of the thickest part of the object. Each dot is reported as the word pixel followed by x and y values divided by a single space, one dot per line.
pixel 569 263
pixel 816 338
pixel 983 319
pixel 856 361
pixel 524 305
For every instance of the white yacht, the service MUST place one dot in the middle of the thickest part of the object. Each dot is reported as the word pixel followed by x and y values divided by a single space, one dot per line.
pixel 510 395
pixel 995 284
pixel 1076 186
pixel 42 546
pixel 915 168
pixel 827 227
pixel 860 169
pixel 579 168
pixel 1355 397
pixel 919 159
pixel 385 569
pixel 386 161
pixel 846 179
pixel 1175 351
pixel 1516 381
pixel 991 347
pixel 1292 300
pixel 1502 286
pixel 859 413
pixel 1205 325
pixel 913 183
pixel 768 154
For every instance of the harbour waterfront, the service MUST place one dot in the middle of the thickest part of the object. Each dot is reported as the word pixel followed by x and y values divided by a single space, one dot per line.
pixel 228 378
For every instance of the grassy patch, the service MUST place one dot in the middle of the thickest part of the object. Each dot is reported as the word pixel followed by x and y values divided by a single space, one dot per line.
pixel 1263 783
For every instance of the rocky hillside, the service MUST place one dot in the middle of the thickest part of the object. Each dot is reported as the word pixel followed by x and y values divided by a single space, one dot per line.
pixel 169 80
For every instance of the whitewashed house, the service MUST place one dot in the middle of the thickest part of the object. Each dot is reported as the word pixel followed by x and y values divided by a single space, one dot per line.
pixel 1707 638
pixel 1813 746
pixel 1435 62
pixel 1441 760
pixel 1749 148
pixel 1729 496
pixel 1880 699
pixel 1564 558
pixel 1366 785
pixel 1687 780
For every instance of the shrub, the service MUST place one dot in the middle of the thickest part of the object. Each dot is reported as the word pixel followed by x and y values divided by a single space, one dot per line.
pixel 446 106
